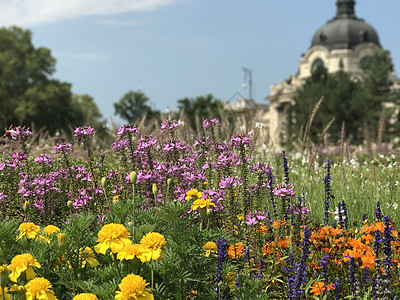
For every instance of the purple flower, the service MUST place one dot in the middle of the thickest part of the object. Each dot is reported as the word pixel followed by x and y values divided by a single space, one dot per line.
pixel 299 208
pixel 168 125
pixel 221 256
pixel 44 159
pixel 128 128
pixel 327 183
pixel 285 191
pixel 207 123
pixel 20 133
pixel 285 167
pixel 84 133
pixel 250 220
pixel 62 148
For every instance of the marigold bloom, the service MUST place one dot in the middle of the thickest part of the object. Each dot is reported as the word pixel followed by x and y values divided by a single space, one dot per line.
pixel 235 251
pixel 39 288
pixel 112 236
pixel 116 199
pixel 85 296
pixel 23 263
pixel 89 258
pixel 154 242
pixel 211 248
pixel 30 230
pixel 50 229
pixel 202 203
pixel 195 194
pixel 130 251
pixel 133 287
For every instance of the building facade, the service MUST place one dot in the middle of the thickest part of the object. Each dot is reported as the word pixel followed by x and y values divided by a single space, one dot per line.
pixel 340 44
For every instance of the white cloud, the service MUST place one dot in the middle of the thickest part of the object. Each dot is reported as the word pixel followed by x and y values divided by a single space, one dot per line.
pixel 36 12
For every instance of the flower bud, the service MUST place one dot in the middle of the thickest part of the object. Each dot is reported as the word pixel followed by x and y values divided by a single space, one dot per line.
pixel 25 206
pixel 70 204
pixel 169 181
pixel 62 241
pixel 103 182
pixel 133 177
pixel 3 276
pixel 154 189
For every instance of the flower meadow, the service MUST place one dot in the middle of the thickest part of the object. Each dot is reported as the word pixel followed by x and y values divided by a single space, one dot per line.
pixel 177 215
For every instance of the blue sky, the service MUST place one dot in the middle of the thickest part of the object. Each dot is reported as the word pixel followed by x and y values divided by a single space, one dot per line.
pixel 172 49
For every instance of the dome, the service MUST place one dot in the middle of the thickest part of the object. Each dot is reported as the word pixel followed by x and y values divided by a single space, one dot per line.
pixel 345 30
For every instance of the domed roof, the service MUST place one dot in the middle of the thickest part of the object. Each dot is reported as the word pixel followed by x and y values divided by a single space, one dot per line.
pixel 345 30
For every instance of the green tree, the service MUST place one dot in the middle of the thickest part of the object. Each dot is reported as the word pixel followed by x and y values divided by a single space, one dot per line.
pixel 355 101
pixel 28 94
pixel 132 107
pixel 202 107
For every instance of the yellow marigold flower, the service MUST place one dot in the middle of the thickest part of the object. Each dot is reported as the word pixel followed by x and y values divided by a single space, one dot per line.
pixel 30 230
pixel 112 236
pixel 39 288
pixel 202 203
pixel 133 287
pixel 115 199
pixel 85 296
pixel 211 248
pixel 48 231
pixel 154 242
pixel 130 251
pixel 19 289
pixel 23 263
pixel 193 194
pixel 89 258
pixel 6 294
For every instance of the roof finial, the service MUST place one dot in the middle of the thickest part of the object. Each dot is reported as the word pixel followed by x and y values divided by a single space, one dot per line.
pixel 345 8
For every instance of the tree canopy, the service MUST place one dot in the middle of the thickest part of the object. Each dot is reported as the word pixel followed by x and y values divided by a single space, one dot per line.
pixel 28 93
pixel 133 106
pixel 355 101
pixel 202 107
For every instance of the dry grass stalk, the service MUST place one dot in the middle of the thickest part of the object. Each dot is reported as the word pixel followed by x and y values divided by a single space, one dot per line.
pixel 311 119
pixel 341 144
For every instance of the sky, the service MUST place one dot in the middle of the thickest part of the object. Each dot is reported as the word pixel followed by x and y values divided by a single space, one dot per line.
pixel 175 49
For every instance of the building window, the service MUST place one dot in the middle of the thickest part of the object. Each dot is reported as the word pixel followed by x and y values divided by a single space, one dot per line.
pixel 317 63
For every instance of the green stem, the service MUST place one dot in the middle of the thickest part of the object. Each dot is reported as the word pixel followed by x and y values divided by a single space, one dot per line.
pixel 134 207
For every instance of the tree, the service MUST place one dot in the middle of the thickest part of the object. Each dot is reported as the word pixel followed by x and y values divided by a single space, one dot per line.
pixel 132 107
pixel 353 101
pixel 202 107
pixel 28 94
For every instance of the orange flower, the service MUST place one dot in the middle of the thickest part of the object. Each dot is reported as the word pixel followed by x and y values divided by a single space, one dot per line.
pixel 368 260
pixel 284 243
pixel 318 288
pixel 279 223
pixel 235 251
pixel 268 248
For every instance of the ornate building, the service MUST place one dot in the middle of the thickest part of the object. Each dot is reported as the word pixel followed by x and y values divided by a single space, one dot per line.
pixel 341 44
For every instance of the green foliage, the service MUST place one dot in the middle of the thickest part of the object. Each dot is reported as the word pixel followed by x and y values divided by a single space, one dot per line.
pixel 133 106
pixel 356 102
pixel 28 93
pixel 202 107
